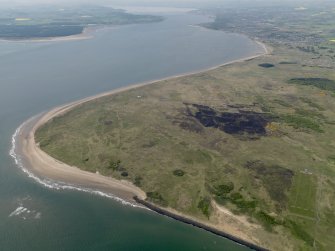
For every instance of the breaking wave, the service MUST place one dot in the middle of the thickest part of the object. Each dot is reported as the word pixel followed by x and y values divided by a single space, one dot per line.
pixel 51 184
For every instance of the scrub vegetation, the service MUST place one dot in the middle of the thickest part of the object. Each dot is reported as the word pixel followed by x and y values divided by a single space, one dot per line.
pixel 241 136
pixel 243 140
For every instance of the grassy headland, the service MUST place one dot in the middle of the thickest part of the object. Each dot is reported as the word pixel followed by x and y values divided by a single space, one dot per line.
pixel 61 21
pixel 242 136
pixel 246 147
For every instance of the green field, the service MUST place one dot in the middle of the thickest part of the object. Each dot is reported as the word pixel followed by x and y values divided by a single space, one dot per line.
pixel 303 195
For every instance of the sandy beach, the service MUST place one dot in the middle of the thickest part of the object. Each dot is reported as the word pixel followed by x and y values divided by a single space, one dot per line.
pixel 42 165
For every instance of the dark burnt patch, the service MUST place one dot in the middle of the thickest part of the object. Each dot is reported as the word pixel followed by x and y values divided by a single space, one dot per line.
pixel 235 123
pixel 249 122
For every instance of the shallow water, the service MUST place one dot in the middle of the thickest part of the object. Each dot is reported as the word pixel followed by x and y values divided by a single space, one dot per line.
pixel 38 76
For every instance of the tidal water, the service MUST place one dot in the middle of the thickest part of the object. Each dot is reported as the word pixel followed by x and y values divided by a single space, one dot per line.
pixel 35 77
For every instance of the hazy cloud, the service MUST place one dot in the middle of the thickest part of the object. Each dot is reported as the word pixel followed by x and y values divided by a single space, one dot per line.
pixel 173 3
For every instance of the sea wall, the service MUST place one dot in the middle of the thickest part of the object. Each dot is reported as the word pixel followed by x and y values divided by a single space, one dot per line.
pixel 198 224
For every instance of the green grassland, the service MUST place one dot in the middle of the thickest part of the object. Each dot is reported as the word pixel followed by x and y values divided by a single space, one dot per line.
pixel 242 135
pixel 303 195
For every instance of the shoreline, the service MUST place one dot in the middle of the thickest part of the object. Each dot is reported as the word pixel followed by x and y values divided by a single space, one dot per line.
pixel 85 34
pixel 198 224
pixel 40 166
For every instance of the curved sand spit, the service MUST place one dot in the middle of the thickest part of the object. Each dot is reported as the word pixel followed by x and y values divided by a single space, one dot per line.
pixel 42 165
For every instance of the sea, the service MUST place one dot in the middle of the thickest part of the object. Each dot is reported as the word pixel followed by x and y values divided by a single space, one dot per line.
pixel 37 76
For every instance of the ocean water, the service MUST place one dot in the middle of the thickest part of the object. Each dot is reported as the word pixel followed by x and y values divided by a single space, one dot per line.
pixel 35 77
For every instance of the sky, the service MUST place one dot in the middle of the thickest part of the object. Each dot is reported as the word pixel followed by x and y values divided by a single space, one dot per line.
pixel 170 3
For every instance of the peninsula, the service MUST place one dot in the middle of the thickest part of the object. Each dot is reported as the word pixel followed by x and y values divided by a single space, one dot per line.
pixel 69 22
pixel 246 148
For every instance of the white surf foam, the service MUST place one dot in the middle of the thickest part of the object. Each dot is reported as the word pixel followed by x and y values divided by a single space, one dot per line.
pixel 18 211
pixel 25 213
pixel 59 185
